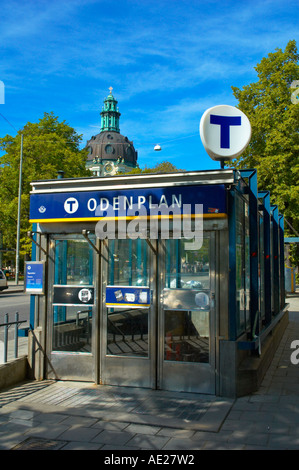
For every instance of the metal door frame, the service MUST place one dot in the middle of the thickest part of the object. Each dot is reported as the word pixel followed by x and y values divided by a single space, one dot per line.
pixel 94 366
pixel 67 365
pixel 129 370
pixel 170 372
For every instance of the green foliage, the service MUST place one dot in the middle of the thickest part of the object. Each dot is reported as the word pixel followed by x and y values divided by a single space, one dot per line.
pixel 274 146
pixel 163 167
pixel 48 146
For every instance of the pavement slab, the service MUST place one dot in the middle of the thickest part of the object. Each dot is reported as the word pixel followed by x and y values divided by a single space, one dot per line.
pixel 57 415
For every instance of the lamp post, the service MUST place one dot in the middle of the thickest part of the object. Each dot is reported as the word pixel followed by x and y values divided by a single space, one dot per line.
pixel 19 213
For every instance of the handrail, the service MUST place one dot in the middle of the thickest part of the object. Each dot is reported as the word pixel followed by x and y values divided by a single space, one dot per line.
pixel 256 342
pixel 13 323
pixel 6 326
pixel 78 313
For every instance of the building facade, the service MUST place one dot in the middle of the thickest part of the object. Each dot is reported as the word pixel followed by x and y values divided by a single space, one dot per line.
pixel 144 310
pixel 110 152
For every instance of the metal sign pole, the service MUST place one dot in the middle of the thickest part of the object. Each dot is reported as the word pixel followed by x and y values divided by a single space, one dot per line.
pixel 19 213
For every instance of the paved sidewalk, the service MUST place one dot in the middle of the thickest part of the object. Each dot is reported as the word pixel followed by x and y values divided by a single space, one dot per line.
pixel 81 416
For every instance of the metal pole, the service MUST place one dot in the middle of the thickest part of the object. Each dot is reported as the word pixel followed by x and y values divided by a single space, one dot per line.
pixel 16 334
pixel 5 337
pixel 1 248
pixel 19 213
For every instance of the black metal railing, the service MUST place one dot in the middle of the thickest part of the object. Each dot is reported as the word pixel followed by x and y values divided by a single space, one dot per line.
pixel 6 325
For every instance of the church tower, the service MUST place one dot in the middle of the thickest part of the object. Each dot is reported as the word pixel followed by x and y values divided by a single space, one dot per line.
pixel 110 114
pixel 109 151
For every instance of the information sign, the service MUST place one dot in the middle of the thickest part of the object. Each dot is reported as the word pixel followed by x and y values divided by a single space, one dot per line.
pixel 91 205
pixel 35 277
pixel 124 296
pixel 73 295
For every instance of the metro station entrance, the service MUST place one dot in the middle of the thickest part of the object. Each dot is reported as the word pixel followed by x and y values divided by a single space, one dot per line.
pixel 158 331
pixel 155 312
pixel 150 331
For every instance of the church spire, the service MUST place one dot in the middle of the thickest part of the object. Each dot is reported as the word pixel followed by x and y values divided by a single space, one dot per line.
pixel 110 114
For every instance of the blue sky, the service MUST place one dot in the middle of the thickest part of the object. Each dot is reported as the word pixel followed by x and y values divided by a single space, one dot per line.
pixel 167 61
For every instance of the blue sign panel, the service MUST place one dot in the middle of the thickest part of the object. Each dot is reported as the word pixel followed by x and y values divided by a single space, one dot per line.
pixel 91 205
pixel 34 277
pixel 225 122
pixel 124 296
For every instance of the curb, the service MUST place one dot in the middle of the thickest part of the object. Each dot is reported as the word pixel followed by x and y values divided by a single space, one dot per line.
pixel 14 289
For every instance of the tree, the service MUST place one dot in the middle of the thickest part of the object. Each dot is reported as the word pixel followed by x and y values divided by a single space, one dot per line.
pixel 48 146
pixel 274 118
pixel 163 167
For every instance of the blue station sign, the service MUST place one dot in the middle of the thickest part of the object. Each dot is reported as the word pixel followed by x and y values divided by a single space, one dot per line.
pixel 91 205
pixel 225 132
pixel 124 296
pixel 35 277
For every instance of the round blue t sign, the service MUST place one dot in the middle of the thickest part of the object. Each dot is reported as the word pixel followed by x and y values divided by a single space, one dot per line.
pixel 225 132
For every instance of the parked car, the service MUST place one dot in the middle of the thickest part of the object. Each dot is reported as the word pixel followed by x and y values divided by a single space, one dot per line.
pixel 3 281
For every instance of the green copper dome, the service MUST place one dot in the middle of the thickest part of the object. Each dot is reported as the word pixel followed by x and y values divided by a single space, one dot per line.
pixel 110 114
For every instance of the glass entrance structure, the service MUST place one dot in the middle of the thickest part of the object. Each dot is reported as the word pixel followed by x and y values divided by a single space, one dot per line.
pixel 126 304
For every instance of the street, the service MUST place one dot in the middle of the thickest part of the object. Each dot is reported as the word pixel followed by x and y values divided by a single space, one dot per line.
pixel 12 302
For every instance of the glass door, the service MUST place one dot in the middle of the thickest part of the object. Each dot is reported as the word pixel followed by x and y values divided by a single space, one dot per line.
pixel 128 326
pixel 71 309
pixel 187 316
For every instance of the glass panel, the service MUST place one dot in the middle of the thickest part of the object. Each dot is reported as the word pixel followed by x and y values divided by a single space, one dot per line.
pixel 272 267
pixel 72 325
pixel 72 329
pixel 127 328
pixel 73 262
pixel 187 322
pixel 261 268
pixel 128 262
pixel 240 267
pixel 247 266
pixel 127 332
pixel 187 266
pixel 186 336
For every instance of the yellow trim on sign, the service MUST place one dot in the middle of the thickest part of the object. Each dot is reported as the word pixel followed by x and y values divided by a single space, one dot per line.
pixel 95 219
pixel 110 305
